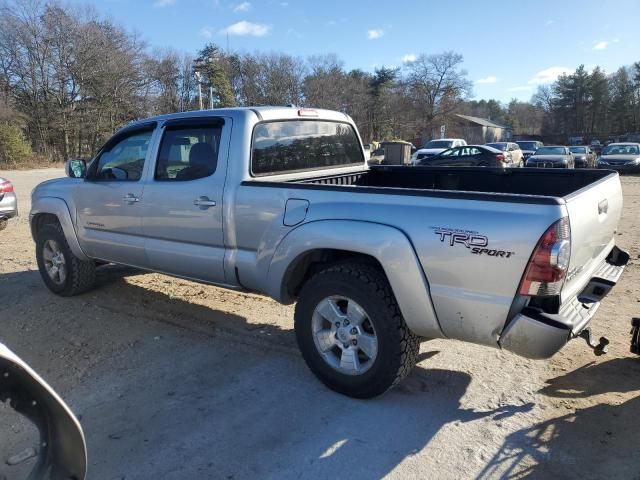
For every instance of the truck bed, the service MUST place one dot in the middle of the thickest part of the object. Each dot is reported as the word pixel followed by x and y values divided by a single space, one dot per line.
pixel 529 185
pixel 591 199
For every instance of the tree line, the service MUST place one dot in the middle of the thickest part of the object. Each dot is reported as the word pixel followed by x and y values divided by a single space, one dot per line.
pixel 70 78
pixel 592 104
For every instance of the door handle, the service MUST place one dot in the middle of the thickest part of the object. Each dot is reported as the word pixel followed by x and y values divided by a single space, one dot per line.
pixel 204 202
pixel 130 198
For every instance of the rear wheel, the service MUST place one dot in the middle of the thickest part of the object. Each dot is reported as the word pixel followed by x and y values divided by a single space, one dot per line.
pixel 62 272
pixel 351 332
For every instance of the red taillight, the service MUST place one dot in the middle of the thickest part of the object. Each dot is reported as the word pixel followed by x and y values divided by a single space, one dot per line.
pixel 6 187
pixel 500 157
pixel 549 262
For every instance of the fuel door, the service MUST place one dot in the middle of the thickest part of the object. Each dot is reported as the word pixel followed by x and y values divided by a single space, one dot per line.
pixel 295 211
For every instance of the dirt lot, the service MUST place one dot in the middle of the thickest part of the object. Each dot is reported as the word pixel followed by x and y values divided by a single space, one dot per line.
pixel 173 379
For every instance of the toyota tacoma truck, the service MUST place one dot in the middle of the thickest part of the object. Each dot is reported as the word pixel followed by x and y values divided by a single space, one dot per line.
pixel 280 201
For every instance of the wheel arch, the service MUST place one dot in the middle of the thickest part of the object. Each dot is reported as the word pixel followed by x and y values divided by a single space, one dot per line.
pixel 315 245
pixel 47 210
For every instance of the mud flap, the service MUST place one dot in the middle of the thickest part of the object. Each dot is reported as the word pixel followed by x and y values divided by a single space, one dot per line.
pixel 635 335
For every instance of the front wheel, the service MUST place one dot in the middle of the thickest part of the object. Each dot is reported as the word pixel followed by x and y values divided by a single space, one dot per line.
pixel 62 272
pixel 351 332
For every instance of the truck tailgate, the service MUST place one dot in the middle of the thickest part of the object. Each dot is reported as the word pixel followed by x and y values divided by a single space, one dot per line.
pixel 594 213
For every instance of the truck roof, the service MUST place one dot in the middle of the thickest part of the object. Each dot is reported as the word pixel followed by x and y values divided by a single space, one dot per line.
pixel 262 113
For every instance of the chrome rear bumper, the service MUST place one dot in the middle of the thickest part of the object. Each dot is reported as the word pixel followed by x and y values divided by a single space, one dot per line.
pixel 536 334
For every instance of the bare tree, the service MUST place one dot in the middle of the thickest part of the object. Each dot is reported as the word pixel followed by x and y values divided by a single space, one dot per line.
pixel 437 85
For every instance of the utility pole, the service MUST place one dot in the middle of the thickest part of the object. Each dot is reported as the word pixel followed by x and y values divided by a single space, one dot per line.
pixel 198 76
pixel 210 98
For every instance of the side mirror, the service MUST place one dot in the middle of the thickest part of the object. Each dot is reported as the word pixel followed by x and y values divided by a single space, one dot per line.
pixel 75 168
pixel 58 449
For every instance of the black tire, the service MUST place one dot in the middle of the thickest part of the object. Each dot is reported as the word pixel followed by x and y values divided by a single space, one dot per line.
pixel 397 346
pixel 80 275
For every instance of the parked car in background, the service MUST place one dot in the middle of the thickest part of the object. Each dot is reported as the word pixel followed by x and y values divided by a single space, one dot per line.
pixel 512 152
pixel 367 151
pixel 596 146
pixel 529 147
pixel 556 156
pixel 376 156
pixel 583 156
pixel 468 156
pixel 623 157
pixel 434 147
pixel 8 203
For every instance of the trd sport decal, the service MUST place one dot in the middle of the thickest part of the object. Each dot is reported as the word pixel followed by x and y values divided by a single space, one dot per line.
pixel 470 239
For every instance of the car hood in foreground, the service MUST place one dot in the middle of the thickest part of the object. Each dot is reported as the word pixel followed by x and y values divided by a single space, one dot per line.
pixel 618 158
pixel 548 158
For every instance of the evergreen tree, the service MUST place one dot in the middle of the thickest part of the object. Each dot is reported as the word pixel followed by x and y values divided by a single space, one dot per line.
pixel 210 63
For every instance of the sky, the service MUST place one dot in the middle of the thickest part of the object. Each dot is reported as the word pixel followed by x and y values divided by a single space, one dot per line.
pixel 509 47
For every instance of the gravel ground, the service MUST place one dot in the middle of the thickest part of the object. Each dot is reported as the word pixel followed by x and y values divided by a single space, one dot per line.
pixel 173 379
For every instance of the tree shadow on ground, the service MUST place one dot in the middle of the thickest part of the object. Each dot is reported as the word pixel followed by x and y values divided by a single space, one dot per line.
pixel 599 441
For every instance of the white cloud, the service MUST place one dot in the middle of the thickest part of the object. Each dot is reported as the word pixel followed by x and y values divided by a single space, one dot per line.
pixel 548 75
pixel 601 45
pixel 521 88
pixel 489 79
pixel 247 28
pixel 163 3
pixel 375 33
pixel 284 4
pixel 409 57
pixel 548 22
pixel 242 7
pixel 206 32
pixel 332 23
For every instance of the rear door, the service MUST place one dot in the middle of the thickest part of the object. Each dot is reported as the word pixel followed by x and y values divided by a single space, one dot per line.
pixel 182 215
pixel 594 213
pixel 109 200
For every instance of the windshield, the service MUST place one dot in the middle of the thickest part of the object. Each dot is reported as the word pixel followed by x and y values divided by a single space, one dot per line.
pixel 499 146
pixel 582 150
pixel 528 145
pixel 621 150
pixel 438 144
pixel 551 151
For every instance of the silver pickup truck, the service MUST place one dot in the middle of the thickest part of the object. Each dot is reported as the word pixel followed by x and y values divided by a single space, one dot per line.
pixel 280 201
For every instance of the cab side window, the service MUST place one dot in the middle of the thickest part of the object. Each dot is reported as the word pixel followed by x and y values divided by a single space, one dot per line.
pixel 124 160
pixel 188 153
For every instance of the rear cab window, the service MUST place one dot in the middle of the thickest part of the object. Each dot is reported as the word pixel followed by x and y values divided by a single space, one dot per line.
pixel 188 151
pixel 289 146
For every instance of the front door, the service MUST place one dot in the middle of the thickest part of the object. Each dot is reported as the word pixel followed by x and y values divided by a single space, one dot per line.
pixel 182 214
pixel 109 200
